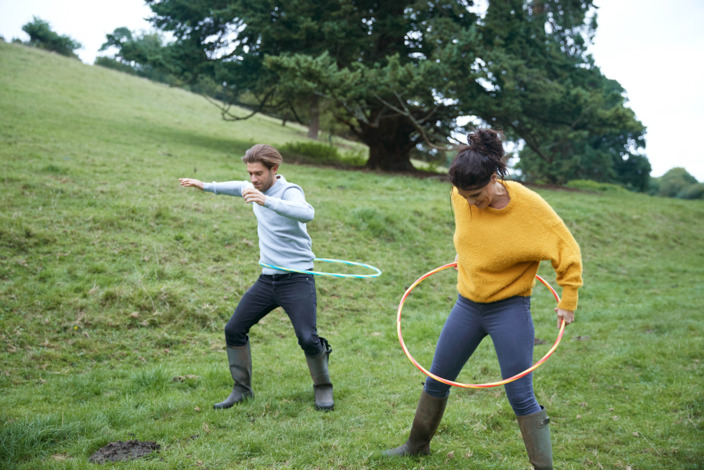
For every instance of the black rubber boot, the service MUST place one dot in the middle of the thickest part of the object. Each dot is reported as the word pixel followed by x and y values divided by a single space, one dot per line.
pixel 240 360
pixel 536 436
pixel 425 424
pixel 318 367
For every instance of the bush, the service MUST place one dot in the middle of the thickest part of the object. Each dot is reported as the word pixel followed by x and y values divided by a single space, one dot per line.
pixel 113 64
pixel 675 182
pixel 41 36
pixel 316 152
pixel 311 150
pixel 693 191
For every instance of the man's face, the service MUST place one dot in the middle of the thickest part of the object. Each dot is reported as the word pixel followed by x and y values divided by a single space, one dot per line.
pixel 261 177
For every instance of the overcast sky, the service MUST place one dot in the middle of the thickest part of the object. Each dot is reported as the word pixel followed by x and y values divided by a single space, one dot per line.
pixel 654 49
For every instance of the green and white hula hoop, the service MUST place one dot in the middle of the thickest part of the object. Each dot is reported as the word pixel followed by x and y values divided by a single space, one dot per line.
pixel 376 272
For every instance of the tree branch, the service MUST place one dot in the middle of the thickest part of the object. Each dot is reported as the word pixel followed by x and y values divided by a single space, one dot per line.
pixel 225 108
pixel 419 127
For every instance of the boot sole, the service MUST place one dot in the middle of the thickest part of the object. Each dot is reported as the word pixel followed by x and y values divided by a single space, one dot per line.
pixel 217 406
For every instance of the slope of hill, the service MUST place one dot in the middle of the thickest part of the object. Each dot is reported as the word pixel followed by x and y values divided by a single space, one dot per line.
pixel 115 284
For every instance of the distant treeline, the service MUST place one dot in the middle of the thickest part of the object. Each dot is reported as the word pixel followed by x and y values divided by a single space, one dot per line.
pixel 400 86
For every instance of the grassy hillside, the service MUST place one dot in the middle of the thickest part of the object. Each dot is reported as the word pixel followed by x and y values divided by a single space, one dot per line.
pixel 115 285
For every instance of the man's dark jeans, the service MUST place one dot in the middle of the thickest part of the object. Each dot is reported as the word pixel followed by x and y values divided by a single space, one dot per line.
pixel 294 292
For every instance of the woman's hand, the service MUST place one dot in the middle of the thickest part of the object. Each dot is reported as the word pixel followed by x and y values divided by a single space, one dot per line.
pixel 253 195
pixel 567 315
pixel 187 182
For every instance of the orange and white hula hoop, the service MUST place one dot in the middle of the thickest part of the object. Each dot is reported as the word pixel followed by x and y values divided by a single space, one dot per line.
pixel 463 385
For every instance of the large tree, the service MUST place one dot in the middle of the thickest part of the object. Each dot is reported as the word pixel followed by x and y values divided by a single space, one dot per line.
pixel 398 74
pixel 229 41
pixel 545 89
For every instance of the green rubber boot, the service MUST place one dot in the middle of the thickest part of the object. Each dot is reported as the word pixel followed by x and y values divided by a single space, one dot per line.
pixel 536 436
pixel 240 360
pixel 425 424
pixel 318 367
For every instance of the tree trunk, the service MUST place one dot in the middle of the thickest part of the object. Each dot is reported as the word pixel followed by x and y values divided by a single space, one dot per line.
pixel 389 144
pixel 314 118
pixel 539 7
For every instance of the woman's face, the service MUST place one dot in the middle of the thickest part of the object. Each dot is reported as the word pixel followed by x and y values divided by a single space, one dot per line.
pixel 480 197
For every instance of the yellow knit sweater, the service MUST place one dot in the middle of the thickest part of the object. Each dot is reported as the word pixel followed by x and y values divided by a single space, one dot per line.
pixel 499 251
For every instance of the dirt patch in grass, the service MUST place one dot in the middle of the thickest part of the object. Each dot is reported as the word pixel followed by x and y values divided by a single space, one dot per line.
pixel 124 450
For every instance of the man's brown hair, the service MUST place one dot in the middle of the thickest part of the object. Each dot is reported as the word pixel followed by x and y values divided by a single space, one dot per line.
pixel 266 154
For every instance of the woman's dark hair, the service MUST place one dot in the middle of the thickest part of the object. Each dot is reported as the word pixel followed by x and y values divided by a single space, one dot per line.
pixel 475 163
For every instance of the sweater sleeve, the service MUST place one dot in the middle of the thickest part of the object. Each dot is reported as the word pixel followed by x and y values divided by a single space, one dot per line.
pixel 292 204
pixel 228 188
pixel 567 263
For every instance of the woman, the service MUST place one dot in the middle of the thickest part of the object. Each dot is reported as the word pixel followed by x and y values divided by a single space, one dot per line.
pixel 503 231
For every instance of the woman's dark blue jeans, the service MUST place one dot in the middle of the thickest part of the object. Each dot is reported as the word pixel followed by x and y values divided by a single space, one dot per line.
pixel 294 292
pixel 510 325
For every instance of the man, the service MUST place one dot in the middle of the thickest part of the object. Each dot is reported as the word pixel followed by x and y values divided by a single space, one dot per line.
pixel 282 212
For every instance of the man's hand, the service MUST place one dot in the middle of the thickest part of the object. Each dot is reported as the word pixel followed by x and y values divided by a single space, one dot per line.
pixel 187 182
pixel 253 195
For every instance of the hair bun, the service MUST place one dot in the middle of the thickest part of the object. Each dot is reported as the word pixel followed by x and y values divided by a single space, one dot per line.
pixel 487 142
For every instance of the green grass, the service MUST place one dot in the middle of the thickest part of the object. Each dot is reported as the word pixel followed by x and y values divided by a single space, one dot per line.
pixel 115 285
